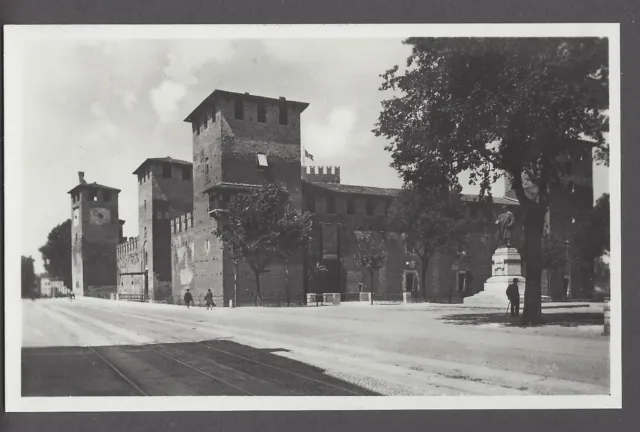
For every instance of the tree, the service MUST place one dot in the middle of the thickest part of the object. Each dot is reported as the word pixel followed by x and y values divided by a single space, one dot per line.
pixel 56 253
pixel 28 279
pixel 592 237
pixel 262 226
pixel 553 254
pixel 433 220
pixel 371 254
pixel 499 106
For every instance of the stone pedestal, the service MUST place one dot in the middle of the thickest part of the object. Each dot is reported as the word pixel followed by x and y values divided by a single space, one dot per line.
pixel 506 266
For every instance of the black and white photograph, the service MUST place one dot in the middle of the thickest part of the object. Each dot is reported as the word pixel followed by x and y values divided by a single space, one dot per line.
pixel 300 217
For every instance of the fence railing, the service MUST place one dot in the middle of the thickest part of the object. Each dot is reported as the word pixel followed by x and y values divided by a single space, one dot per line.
pixel 272 300
pixel 388 297
pixel 350 297
pixel 132 297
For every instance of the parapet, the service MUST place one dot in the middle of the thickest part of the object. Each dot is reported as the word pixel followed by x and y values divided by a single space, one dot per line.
pixel 321 174
pixel 131 245
pixel 182 223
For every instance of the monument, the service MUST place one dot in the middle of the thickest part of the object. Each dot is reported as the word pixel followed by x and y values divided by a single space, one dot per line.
pixel 506 265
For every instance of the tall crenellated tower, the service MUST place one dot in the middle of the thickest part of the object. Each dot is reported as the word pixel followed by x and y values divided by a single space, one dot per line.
pixel 239 140
pixel 95 233
pixel 165 191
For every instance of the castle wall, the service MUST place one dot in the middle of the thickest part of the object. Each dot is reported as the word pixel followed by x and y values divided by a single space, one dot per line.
pixel 182 257
pixel 130 261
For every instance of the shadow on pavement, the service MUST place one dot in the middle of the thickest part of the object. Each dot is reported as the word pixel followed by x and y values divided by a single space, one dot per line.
pixel 208 368
pixel 563 319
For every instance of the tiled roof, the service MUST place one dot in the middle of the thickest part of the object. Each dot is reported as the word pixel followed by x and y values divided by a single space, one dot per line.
pixel 167 159
pixel 93 185
pixel 375 191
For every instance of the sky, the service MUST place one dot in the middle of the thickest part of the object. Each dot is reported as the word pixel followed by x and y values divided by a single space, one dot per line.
pixel 104 106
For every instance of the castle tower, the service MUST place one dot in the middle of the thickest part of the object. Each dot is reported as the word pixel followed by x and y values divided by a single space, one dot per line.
pixel 95 233
pixel 239 140
pixel 165 191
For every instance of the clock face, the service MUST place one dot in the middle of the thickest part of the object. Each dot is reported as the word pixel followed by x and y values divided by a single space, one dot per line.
pixel 76 217
pixel 100 216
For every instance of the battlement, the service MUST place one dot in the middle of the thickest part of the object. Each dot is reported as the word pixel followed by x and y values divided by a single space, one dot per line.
pixel 131 245
pixel 321 174
pixel 182 223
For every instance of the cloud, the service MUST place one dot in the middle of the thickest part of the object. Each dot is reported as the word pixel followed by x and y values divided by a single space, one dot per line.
pixel 165 99
pixel 330 139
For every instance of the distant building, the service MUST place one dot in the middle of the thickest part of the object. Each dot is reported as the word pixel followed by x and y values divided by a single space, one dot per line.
pixel 51 286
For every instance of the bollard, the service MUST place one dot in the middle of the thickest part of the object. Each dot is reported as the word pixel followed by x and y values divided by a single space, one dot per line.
pixel 607 312
pixel 231 303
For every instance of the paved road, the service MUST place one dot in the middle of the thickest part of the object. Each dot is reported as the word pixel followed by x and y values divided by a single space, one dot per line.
pixel 100 347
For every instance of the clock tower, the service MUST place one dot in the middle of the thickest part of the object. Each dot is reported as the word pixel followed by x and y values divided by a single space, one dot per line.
pixel 95 233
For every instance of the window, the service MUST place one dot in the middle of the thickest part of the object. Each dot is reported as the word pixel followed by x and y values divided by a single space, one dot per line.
pixel 145 205
pixel 351 206
pixel 145 232
pixel 262 112
pixel 283 114
pixel 166 170
pixel 331 204
pixel 206 165
pixel 239 109
pixel 262 160
pixel 311 204
pixel 371 206
pixel 93 195
pixel 207 244
pixel 186 173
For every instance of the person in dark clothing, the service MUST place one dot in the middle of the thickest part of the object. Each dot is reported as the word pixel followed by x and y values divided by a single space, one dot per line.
pixel 209 300
pixel 188 298
pixel 513 293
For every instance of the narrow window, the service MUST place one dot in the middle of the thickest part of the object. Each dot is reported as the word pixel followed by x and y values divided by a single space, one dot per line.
pixel 145 232
pixel 351 206
pixel 206 165
pixel 331 204
pixel 166 170
pixel 186 173
pixel 311 204
pixel 371 206
pixel 262 160
pixel 262 112
pixel 239 109
pixel 283 114
pixel 145 205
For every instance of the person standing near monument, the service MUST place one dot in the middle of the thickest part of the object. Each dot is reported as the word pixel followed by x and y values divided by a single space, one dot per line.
pixel 188 298
pixel 513 293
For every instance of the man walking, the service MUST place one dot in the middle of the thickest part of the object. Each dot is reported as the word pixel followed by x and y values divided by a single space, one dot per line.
pixel 513 293
pixel 209 300
pixel 188 298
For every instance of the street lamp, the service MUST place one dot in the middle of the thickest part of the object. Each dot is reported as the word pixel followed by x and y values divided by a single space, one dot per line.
pixel 567 271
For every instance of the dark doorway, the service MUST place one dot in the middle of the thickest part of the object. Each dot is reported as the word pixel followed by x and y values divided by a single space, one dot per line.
pixel 409 281
pixel 332 280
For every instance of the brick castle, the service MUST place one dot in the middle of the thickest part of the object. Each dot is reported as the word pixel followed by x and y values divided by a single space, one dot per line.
pixel 242 140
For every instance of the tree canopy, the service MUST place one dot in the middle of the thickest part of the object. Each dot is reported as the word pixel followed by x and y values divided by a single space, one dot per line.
pixel 495 106
pixel 56 252
pixel 263 226
pixel 433 220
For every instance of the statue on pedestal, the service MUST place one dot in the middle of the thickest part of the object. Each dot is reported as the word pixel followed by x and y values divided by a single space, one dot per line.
pixel 506 224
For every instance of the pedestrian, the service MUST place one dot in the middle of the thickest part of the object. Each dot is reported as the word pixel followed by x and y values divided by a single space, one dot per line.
pixel 209 299
pixel 513 293
pixel 188 298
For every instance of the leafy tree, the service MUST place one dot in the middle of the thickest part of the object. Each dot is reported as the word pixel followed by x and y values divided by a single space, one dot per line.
pixel 499 106
pixel 554 254
pixel 433 220
pixel 56 253
pixel 371 254
pixel 263 226
pixel 28 274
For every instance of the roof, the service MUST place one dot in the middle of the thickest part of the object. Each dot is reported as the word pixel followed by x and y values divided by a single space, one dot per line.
pixel 376 191
pixel 93 185
pixel 223 93
pixel 167 159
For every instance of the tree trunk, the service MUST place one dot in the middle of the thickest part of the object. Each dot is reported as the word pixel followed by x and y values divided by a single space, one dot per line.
pixel 533 228
pixel 258 295
pixel 286 279
pixel 236 271
pixel 423 282
pixel 372 285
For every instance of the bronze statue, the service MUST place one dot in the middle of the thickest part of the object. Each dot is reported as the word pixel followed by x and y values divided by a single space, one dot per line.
pixel 506 224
